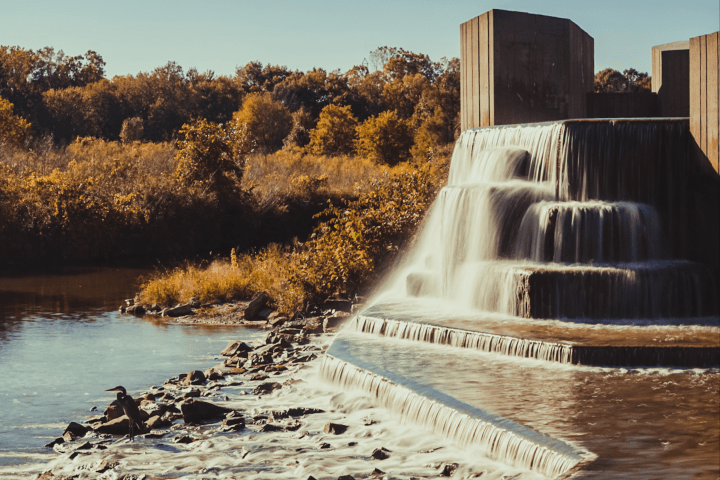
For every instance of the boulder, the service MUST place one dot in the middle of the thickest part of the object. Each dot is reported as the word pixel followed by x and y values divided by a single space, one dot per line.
pixel 76 429
pixel 113 411
pixel 57 441
pixel 257 303
pixel 335 320
pixel 276 319
pixel 158 421
pixel 340 304
pixel 346 477
pixel 234 347
pixel 196 377
pixel 183 439
pixel 116 426
pixel 266 388
pixel 135 310
pixel 448 469
pixel 178 311
pixel 213 373
pixel 196 411
pixel 335 428
pixel 194 393
pixel 194 302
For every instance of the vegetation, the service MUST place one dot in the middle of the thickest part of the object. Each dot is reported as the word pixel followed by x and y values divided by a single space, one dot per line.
pixel 630 80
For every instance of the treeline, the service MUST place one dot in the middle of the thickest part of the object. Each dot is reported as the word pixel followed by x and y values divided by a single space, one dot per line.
pixel 65 97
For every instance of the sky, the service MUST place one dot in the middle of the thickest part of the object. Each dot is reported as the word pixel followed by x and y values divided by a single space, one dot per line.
pixel 220 35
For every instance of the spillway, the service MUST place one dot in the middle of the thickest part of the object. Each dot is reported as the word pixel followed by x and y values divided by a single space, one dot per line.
pixel 557 243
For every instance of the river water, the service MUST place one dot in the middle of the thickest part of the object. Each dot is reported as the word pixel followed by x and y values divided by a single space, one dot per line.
pixel 63 342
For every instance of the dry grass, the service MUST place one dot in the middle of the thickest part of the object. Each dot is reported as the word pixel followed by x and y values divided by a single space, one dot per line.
pixel 271 270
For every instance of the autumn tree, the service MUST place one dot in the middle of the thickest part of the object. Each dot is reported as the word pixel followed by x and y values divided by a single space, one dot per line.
pixel 385 138
pixel 299 135
pixel 14 130
pixel 211 156
pixel 266 121
pixel 334 133
pixel 132 130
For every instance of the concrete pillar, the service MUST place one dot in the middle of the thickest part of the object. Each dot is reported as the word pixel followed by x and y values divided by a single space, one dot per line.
pixel 704 94
pixel 521 68
pixel 671 78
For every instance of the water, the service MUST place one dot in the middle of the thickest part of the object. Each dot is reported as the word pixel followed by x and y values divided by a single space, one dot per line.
pixel 560 243
pixel 62 343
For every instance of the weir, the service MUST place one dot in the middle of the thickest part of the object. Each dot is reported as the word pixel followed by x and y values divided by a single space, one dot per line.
pixel 559 242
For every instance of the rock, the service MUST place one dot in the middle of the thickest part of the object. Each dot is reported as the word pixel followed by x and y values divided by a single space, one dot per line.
pixel 106 465
pixel 69 437
pixel 121 309
pixel 313 325
pixel 335 428
pixel 76 429
pixel 324 445
pixel 264 313
pixel 116 426
pixel 377 472
pixel 154 307
pixel 178 311
pixel 266 388
pixel 183 439
pixel 113 411
pixel 194 393
pixel 170 417
pixel 448 469
pixel 292 412
pixel 196 377
pixel 340 304
pixel 346 477
pixel 196 411
pixel 57 441
pixel 231 421
pixel 234 347
pixel 258 377
pixel 357 308
pixel 380 453
pixel 158 421
pixel 256 360
pixel 258 301
pixel 269 427
pixel 194 302
pixel 276 319
pixel 129 302
pixel 214 373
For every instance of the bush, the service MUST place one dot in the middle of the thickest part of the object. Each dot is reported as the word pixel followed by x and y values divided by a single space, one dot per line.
pixel 132 130
pixel 266 121
pixel 385 138
pixel 334 133
pixel 14 130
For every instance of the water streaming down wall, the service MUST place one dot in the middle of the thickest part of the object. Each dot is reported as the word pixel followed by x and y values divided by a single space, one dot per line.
pixel 463 424
pixel 562 220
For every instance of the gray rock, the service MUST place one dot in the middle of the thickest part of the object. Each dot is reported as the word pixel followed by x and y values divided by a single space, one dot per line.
pixel 257 303
pixel 76 429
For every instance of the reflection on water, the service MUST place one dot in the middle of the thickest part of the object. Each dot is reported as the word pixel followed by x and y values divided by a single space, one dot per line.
pixel 651 423
pixel 62 343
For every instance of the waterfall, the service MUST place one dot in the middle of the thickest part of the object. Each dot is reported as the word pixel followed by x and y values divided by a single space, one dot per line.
pixel 572 221
pixel 499 438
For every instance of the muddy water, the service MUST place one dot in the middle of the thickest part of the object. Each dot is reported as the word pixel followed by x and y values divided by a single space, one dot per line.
pixel 62 343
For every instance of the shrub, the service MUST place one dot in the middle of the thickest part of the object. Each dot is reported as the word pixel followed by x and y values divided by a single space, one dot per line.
pixel 132 130
pixel 385 138
pixel 334 133
pixel 14 130
pixel 266 121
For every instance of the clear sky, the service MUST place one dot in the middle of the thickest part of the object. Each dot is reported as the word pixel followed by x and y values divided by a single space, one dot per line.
pixel 218 35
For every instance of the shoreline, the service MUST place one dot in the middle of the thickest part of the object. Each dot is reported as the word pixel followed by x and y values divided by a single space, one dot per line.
pixel 294 425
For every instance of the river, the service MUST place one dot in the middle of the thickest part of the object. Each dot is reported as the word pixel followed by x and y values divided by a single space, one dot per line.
pixel 63 343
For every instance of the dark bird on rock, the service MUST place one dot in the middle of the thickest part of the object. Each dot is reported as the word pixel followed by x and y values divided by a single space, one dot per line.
pixel 128 405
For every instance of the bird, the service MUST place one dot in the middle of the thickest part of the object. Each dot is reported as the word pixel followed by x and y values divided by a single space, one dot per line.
pixel 128 405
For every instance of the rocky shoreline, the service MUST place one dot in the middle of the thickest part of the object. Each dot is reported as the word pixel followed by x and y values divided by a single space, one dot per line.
pixel 261 412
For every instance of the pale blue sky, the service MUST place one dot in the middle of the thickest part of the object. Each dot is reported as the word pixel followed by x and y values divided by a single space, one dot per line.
pixel 135 36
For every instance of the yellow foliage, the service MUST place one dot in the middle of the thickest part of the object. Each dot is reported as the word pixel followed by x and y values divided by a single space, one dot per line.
pixel 14 130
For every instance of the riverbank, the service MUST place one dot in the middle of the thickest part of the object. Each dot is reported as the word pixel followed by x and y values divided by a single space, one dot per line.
pixel 280 420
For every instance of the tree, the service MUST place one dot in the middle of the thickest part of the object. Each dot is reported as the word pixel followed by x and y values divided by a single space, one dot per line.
pixel 612 81
pixel 211 156
pixel 335 131
pixel 299 135
pixel 14 130
pixel 385 138
pixel 266 121
pixel 132 130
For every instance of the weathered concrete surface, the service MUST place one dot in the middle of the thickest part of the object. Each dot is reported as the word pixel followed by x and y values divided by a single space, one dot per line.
pixel 523 68
pixel 704 94
pixel 671 78
pixel 622 105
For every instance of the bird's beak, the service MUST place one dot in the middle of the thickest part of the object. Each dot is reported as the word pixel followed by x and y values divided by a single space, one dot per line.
pixel 116 389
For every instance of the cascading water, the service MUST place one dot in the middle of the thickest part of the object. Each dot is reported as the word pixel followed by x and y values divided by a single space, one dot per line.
pixel 573 221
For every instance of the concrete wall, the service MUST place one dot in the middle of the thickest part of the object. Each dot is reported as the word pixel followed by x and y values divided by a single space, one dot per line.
pixel 671 78
pixel 622 105
pixel 704 95
pixel 521 68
